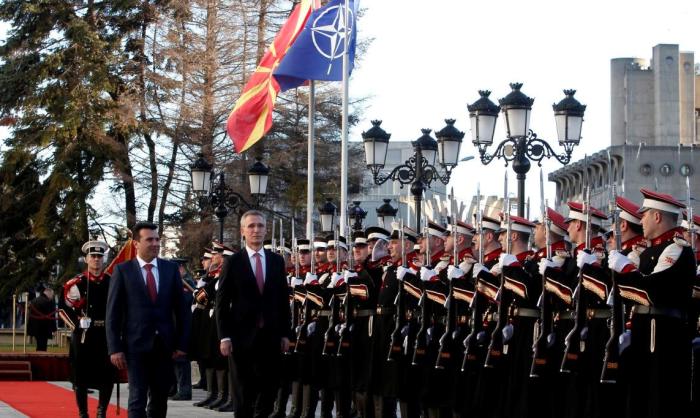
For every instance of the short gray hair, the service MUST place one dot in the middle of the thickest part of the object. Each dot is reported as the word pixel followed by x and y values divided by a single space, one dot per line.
pixel 253 212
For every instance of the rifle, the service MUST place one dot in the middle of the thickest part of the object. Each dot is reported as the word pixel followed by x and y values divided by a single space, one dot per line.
pixel 302 329
pixel 447 338
pixel 477 325
pixel 544 323
pixel 497 346
pixel 293 305
pixel 330 338
pixel 611 360
pixel 573 342
pixel 396 347
pixel 421 345
pixel 344 334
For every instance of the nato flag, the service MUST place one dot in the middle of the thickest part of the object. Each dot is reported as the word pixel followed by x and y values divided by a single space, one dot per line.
pixel 317 54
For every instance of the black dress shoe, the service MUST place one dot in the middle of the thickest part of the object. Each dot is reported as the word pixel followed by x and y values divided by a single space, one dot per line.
pixel 204 402
pixel 198 385
pixel 227 407
pixel 217 403
pixel 178 397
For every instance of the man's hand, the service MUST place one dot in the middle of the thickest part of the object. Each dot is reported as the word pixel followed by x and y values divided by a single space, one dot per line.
pixel 179 354
pixel 225 348
pixel 284 345
pixel 119 360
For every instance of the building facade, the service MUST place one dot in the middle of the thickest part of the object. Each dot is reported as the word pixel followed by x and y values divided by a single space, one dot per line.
pixel 655 120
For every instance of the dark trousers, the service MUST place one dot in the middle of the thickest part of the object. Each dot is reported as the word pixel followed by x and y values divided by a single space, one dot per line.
pixel 183 374
pixel 150 378
pixel 256 371
pixel 42 342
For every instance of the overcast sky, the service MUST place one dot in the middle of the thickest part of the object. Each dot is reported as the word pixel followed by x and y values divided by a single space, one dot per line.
pixel 429 58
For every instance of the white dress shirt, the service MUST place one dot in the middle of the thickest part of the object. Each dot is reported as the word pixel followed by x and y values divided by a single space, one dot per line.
pixel 251 258
pixel 154 270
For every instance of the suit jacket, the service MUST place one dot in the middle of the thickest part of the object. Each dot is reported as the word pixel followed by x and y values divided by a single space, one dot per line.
pixel 239 304
pixel 133 320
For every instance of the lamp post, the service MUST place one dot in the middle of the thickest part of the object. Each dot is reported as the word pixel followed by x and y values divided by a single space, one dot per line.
pixel 386 214
pixel 420 170
pixel 220 197
pixel 521 144
pixel 357 214
pixel 328 211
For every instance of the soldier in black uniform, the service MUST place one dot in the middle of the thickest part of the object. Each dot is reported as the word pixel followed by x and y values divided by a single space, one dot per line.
pixel 85 299
pixel 387 376
pixel 41 323
pixel 198 314
pixel 659 354
pixel 694 314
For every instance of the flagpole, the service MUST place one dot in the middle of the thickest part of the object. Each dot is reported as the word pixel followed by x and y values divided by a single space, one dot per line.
pixel 310 165
pixel 344 124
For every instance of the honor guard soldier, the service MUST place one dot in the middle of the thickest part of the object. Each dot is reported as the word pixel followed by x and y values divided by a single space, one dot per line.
pixel 483 309
pixel 434 384
pixel 510 350
pixel 85 298
pixel 555 312
pixel 198 313
pixel 356 333
pixel 390 327
pixel 693 236
pixel 658 367
pixel 207 345
pixel 460 296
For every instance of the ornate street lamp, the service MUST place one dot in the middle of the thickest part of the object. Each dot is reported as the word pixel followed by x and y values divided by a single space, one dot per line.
pixel 386 214
pixel 220 197
pixel 521 144
pixel 419 171
pixel 328 211
pixel 357 214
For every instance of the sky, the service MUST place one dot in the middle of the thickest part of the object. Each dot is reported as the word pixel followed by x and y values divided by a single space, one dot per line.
pixel 428 60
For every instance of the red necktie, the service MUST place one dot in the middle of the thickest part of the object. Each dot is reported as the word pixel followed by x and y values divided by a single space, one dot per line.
pixel 259 273
pixel 151 282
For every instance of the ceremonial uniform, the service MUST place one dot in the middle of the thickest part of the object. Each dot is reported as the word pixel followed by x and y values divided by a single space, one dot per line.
pixel 85 306
pixel 659 354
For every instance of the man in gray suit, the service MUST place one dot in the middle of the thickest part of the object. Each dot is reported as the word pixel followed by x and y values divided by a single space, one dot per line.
pixel 147 323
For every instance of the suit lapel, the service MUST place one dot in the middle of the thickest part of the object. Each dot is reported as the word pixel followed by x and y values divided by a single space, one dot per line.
pixel 140 282
pixel 268 269
pixel 163 279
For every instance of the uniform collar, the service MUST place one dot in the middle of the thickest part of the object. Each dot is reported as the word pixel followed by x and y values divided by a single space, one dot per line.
pixel 632 242
pixel 596 242
pixel 493 255
pixel 667 236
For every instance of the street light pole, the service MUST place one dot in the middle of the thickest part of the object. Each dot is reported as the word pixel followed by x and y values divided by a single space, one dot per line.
pixel 521 144
pixel 420 170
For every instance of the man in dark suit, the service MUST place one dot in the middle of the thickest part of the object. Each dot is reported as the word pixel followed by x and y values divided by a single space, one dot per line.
pixel 253 318
pixel 147 323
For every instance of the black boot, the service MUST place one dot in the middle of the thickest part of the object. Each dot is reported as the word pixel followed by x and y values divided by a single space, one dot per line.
pixel 327 400
pixel 281 401
pixel 295 408
pixel 222 385
pixel 342 403
pixel 211 386
pixel 82 401
pixel 202 384
pixel 309 399
pixel 103 403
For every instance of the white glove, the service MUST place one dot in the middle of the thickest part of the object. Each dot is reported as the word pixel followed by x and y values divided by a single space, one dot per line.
pixel 617 261
pixel 310 278
pixel 427 274
pixel 496 269
pixel 349 274
pixel 401 272
pixel 506 260
pixel 478 268
pixel 466 264
pixel 334 280
pixel 297 281
pixel 454 272
pixel 584 258
pixel 545 263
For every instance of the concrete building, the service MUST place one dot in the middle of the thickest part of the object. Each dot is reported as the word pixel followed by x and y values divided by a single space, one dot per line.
pixel 655 120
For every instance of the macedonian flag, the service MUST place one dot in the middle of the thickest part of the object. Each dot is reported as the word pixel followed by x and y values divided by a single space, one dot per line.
pixel 251 117
pixel 128 252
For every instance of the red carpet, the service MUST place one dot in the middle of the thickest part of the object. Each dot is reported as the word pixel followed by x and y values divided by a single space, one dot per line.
pixel 42 399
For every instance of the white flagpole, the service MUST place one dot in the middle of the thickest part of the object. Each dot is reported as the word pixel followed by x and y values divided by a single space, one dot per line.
pixel 344 124
pixel 310 164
